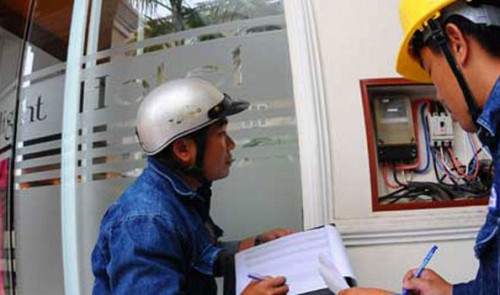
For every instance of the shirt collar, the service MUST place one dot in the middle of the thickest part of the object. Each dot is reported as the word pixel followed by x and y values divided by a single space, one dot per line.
pixel 489 120
pixel 175 181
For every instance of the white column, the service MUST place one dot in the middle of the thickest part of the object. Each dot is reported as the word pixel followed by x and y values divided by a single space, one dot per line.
pixel 312 125
pixel 69 228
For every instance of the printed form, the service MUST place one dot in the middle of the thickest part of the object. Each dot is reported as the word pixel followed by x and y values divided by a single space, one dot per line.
pixel 296 257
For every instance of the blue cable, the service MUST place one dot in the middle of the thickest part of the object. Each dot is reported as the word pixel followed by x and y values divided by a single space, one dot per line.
pixel 426 136
pixel 443 169
pixel 438 162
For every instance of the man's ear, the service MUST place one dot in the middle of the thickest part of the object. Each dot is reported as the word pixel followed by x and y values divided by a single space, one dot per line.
pixel 184 149
pixel 459 44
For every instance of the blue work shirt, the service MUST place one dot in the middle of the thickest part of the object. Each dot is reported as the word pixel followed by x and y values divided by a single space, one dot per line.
pixel 488 238
pixel 153 239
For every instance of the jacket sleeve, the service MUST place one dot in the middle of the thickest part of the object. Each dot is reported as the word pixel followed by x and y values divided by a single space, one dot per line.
pixel 146 257
pixel 469 288
pixel 226 266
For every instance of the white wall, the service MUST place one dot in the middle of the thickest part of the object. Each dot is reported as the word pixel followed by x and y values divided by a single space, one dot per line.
pixel 359 39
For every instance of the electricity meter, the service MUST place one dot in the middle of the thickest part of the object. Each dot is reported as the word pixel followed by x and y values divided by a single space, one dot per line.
pixel 394 129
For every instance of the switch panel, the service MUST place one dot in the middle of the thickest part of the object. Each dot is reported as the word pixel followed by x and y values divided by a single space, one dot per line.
pixel 440 129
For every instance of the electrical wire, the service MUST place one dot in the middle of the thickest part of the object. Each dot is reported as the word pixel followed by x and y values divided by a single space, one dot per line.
pixel 441 164
pixel 386 180
pixel 407 180
pixel 458 166
pixel 416 164
pixel 433 191
pixel 395 175
pixel 426 138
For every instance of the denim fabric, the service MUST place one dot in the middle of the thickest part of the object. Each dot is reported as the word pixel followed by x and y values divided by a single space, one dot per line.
pixel 152 240
pixel 488 238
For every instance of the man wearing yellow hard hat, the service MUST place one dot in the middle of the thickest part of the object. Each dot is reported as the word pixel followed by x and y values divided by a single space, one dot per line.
pixel 455 44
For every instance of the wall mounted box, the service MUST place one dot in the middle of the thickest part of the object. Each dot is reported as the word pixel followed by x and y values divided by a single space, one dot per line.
pixel 373 89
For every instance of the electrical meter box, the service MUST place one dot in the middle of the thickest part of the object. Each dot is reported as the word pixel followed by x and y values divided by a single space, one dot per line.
pixel 417 159
pixel 394 129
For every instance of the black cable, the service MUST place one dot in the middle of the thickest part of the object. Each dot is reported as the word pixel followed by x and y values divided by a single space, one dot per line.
pixel 436 191
pixel 471 185
pixel 444 177
pixel 395 175
pixel 475 155
pixel 436 173
pixel 406 192
pixel 393 193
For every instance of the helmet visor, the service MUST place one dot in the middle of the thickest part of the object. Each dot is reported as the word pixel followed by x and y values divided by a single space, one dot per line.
pixel 227 107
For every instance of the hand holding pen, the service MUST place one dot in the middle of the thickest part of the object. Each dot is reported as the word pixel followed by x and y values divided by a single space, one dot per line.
pixel 265 285
pixel 428 282
pixel 419 271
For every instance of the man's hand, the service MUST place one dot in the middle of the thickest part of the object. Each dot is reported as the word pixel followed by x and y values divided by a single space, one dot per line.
pixel 274 234
pixel 429 283
pixel 264 237
pixel 270 286
pixel 364 291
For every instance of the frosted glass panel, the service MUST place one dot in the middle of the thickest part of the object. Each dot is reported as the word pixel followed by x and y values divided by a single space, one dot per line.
pixel 247 59
pixel 37 183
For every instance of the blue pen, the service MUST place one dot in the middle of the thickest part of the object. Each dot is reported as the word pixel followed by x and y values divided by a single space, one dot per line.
pixel 256 277
pixel 423 265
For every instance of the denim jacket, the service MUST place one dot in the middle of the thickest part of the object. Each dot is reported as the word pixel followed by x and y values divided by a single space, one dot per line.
pixel 153 240
pixel 488 239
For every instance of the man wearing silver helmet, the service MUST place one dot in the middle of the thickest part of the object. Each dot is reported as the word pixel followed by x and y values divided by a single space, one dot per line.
pixel 158 237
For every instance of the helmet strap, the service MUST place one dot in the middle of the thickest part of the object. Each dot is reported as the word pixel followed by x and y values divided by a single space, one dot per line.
pixel 197 170
pixel 441 40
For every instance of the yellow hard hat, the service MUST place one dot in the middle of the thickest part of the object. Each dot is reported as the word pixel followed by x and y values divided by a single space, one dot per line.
pixel 413 15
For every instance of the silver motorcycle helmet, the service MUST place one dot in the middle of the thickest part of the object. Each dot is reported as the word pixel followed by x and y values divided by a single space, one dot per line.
pixel 178 108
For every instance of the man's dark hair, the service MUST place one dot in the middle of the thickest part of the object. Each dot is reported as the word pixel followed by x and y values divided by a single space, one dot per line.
pixel 166 155
pixel 487 36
